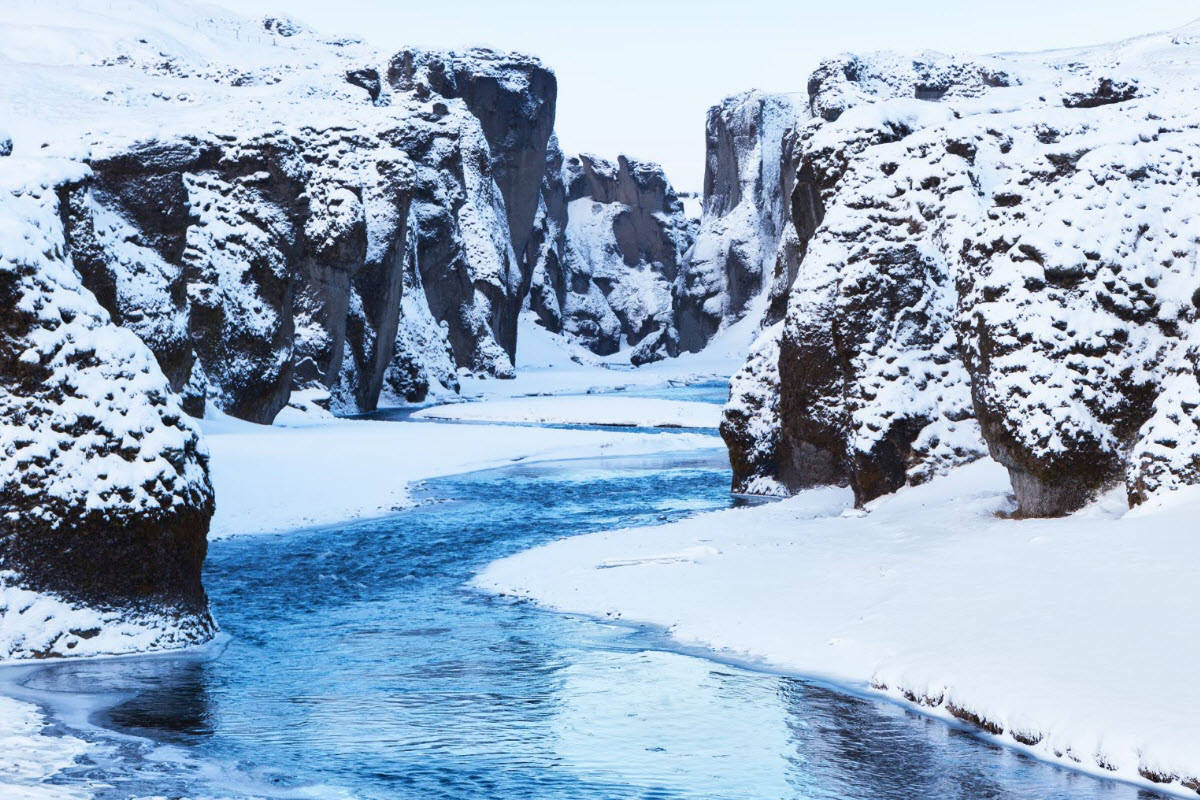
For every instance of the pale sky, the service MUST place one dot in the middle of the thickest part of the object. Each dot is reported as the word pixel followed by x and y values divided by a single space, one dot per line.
pixel 637 76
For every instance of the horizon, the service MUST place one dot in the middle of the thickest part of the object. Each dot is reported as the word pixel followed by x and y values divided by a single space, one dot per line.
pixel 621 94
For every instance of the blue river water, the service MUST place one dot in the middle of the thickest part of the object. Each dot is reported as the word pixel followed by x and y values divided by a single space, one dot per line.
pixel 357 662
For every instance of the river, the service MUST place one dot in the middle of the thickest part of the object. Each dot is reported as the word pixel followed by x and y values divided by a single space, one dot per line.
pixel 356 661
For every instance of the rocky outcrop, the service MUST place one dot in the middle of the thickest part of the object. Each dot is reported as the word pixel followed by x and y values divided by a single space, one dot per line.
pixel 625 238
pixel 104 492
pixel 611 242
pixel 266 252
pixel 352 268
pixel 462 250
pixel 746 185
pixel 513 97
pixel 128 249
pixel 548 284
pixel 279 255
pixel 1011 277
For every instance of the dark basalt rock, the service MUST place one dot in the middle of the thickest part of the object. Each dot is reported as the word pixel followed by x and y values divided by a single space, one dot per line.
pixel 238 283
pixel 135 283
pixel 268 262
pixel 548 282
pixel 247 214
pixel 366 78
pixel 625 240
pixel 144 563
pixel 1107 91
pixel 930 318
pixel 744 213
pixel 351 268
pixel 460 247
pixel 513 97
pixel 295 245
pixel 104 491
pixel 813 442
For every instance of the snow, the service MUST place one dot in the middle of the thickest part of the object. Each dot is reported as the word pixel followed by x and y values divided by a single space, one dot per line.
pixel 1072 633
pixel 586 410
pixel 135 453
pixel 274 479
pixel 28 758
pixel 39 626
pixel 549 364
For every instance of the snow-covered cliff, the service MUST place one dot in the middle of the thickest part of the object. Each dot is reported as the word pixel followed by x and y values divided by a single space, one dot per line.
pixel 618 258
pixel 262 195
pixel 104 491
pixel 1003 260
pixel 747 181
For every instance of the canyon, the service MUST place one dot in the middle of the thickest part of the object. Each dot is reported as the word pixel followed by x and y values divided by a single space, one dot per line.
pixel 207 220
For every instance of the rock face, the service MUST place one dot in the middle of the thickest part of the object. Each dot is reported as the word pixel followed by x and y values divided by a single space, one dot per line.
pixel 282 274
pixel 548 285
pixel 104 491
pixel 237 225
pixel 611 242
pixel 263 249
pixel 624 242
pixel 985 260
pixel 513 100
pixel 461 250
pixel 745 210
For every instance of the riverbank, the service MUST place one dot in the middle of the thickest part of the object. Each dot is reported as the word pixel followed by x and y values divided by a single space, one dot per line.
pixel 308 471
pixel 354 665
pixel 274 479
pixel 1069 639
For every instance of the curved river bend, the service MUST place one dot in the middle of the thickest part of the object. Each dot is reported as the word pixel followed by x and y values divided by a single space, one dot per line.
pixel 357 663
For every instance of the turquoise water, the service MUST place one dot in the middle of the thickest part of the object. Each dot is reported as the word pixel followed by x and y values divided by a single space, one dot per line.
pixel 357 662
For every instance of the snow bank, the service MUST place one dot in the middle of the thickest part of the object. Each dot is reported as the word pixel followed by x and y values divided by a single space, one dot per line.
pixel 28 758
pixel 277 479
pixel 1069 638
pixel 34 625
pixel 632 412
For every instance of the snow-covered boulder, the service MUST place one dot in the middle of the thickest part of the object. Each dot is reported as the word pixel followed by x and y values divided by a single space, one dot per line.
pixel 745 210
pixel 1004 261
pixel 104 491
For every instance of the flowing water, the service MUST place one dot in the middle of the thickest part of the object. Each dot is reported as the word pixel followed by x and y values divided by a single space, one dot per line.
pixel 357 662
